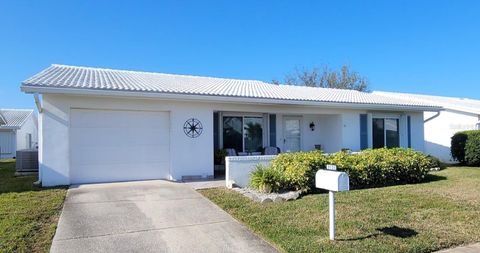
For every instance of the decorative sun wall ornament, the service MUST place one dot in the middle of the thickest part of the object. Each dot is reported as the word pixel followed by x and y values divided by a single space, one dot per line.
pixel 193 128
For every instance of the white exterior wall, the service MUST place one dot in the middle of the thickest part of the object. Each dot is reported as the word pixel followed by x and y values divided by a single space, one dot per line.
pixel 16 139
pixel 188 156
pixel 334 129
pixel 439 131
pixel 417 131
pixel 30 126
pixel 330 127
pixel 351 131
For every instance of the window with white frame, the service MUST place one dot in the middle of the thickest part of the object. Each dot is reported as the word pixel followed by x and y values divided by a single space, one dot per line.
pixel 385 132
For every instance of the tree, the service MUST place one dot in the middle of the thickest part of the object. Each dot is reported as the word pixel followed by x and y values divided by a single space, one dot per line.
pixel 344 78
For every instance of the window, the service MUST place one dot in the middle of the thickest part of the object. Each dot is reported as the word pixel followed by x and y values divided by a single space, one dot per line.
pixel 378 133
pixel 385 133
pixel 29 141
pixel 232 133
pixel 244 134
pixel 253 134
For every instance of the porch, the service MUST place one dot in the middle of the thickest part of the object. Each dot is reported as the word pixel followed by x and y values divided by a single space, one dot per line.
pixel 249 134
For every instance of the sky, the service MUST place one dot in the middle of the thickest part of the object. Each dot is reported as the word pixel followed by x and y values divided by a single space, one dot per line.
pixel 426 47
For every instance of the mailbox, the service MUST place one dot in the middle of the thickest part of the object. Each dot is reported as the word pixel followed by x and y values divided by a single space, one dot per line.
pixel 332 180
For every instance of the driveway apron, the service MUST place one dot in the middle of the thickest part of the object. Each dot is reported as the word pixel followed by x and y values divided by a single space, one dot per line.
pixel 148 216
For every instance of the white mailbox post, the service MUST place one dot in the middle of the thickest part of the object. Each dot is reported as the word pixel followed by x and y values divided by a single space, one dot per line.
pixel 334 181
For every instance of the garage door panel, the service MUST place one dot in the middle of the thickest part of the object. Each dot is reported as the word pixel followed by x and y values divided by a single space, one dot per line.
pixel 123 172
pixel 117 119
pixel 111 146
pixel 115 155
pixel 113 137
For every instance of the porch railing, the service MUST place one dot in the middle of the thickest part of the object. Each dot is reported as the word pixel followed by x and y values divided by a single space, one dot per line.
pixel 238 168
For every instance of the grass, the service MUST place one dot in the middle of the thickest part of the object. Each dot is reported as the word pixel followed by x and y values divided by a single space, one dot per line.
pixel 441 213
pixel 28 215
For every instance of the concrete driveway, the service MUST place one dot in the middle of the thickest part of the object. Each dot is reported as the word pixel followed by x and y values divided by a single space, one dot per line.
pixel 148 216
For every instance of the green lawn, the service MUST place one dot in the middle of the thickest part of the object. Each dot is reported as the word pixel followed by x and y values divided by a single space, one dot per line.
pixel 28 215
pixel 441 213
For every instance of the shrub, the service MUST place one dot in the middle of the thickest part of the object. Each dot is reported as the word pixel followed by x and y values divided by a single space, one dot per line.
pixel 370 168
pixel 436 163
pixel 298 169
pixel 459 146
pixel 472 149
pixel 265 179
pixel 382 167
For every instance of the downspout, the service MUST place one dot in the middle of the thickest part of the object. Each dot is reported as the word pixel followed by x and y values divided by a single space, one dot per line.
pixel 434 116
pixel 37 102
pixel 40 110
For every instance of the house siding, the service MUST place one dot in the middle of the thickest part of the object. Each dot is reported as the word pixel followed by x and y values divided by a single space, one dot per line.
pixel 188 155
pixel 334 129
pixel 29 127
pixel 439 131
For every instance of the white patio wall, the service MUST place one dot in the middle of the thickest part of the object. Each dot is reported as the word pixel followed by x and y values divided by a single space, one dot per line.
pixel 238 168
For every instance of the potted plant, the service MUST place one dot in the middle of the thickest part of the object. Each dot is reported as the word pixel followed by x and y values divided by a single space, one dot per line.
pixel 219 156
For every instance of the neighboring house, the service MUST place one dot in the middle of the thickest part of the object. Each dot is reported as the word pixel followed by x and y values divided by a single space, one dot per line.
pixel 18 130
pixel 459 114
pixel 102 125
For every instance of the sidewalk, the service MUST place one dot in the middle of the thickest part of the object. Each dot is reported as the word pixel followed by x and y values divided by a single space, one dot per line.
pixel 473 248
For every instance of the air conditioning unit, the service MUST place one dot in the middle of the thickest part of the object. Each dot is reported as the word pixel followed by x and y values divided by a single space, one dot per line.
pixel 27 162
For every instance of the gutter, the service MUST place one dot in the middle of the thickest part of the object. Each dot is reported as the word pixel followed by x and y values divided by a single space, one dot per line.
pixel 224 99
pixel 434 116
pixel 9 127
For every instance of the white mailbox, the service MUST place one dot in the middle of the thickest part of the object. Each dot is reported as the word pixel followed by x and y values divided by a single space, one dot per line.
pixel 332 180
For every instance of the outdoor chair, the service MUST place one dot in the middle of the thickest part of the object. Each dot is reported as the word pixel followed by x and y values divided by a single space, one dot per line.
pixel 271 151
pixel 231 152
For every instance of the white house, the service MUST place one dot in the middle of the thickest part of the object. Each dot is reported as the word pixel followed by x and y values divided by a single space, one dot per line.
pixel 459 114
pixel 18 130
pixel 102 125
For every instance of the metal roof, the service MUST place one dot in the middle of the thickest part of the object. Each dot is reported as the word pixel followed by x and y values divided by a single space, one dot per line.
pixel 13 118
pixel 62 77
pixel 453 103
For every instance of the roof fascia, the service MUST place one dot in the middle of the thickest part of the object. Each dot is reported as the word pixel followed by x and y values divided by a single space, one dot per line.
pixel 216 98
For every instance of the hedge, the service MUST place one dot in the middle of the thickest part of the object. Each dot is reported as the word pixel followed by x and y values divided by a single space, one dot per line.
pixel 298 169
pixel 472 150
pixel 370 168
pixel 465 147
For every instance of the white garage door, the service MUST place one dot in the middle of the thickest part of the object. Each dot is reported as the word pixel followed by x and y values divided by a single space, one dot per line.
pixel 108 146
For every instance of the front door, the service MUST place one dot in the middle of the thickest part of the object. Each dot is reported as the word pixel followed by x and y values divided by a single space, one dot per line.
pixel 291 134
